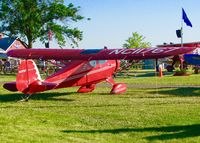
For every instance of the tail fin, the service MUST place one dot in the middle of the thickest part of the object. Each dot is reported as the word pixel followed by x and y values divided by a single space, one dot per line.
pixel 27 74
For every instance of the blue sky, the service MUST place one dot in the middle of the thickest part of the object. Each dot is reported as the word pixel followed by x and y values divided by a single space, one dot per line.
pixel 113 21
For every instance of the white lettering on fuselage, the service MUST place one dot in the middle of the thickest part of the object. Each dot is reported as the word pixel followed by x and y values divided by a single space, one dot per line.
pixel 143 51
pixel 157 50
pixel 125 52
pixel 117 51
pixel 172 49
pixel 137 51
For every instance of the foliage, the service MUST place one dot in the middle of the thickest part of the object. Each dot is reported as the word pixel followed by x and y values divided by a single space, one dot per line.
pixel 180 72
pixel 136 41
pixel 33 19
pixel 148 78
pixel 196 69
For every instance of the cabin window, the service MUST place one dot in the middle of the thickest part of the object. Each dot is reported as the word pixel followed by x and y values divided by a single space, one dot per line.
pixel 102 61
pixel 93 63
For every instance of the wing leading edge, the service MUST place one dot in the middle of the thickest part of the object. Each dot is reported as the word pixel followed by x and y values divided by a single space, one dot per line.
pixel 99 54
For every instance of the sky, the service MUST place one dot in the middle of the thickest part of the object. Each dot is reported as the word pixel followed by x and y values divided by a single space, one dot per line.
pixel 113 21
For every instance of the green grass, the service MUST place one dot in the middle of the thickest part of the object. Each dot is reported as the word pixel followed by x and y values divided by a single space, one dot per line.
pixel 139 115
pixel 193 79
pixel 7 77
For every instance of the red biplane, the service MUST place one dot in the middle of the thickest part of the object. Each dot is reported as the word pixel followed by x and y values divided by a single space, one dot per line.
pixel 85 68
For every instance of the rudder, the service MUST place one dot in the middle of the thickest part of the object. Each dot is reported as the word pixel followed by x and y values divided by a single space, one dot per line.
pixel 27 74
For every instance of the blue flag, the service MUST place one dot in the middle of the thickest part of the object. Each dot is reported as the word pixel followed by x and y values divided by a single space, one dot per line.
pixel 185 18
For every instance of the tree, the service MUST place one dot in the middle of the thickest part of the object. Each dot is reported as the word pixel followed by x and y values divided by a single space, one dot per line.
pixel 136 41
pixel 33 19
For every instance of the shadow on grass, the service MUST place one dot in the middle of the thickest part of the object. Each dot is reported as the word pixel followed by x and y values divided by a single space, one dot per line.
pixel 39 96
pixel 165 133
pixel 153 74
pixel 187 91
pixel 142 74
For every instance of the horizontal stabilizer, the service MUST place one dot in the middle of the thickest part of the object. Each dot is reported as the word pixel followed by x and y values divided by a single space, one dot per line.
pixel 11 86
pixel 39 86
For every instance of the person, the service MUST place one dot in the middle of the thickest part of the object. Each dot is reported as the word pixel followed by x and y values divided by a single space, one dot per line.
pixel 179 59
pixel 6 66
pixel 43 65
pixel 1 65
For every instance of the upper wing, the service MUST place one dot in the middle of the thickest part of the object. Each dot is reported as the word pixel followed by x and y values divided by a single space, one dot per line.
pixel 99 54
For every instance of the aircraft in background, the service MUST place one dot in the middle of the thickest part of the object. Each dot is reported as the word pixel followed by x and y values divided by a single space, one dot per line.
pixel 85 67
pixel 193 59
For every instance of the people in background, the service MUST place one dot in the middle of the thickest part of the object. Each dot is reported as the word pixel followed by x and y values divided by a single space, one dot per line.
pixel 7 66
pixel 1 65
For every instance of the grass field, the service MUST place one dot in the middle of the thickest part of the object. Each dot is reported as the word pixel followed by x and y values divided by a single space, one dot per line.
pixel 139 115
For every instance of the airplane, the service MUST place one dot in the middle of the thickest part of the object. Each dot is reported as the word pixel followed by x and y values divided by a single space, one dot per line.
pixel 84 67
pixel 193 59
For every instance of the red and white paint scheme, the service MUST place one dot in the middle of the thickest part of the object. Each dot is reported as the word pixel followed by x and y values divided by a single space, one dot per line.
pixel 86 68
pixel 85 74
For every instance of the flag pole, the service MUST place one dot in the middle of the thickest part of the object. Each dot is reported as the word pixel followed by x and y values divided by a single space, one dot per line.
pixel 181 31
pixel 187 22
pixel 181 63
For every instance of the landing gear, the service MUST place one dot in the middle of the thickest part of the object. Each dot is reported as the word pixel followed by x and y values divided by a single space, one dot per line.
pixel 25 98
pixel 118 88
pixel 86 89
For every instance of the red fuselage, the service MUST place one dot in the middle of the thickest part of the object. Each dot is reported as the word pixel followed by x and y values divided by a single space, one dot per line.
pixel 80 73
pixel 85 74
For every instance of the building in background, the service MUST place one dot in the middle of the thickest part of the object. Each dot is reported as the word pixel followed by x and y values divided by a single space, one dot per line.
pixel 6 43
